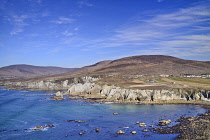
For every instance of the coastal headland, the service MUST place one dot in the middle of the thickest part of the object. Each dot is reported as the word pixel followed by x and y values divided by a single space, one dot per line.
pixel 138 79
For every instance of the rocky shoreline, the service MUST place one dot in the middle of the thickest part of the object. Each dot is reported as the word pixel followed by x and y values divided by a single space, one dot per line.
pixel 190 128
pixel 193 128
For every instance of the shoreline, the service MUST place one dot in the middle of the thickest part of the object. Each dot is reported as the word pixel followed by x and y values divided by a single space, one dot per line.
pixel 190 128
pixel 193 127
pixel 200 123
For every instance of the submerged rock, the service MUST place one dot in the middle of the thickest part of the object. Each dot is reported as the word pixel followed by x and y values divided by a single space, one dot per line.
pixel 48 126
pixel 79 121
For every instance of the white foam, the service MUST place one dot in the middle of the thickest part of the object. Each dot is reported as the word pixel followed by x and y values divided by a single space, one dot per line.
pixel 44 129
pixel 125 127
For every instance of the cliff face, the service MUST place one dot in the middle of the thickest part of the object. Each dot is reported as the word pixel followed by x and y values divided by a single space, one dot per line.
pixel 85 87
pixel 113 93
pixel 48 84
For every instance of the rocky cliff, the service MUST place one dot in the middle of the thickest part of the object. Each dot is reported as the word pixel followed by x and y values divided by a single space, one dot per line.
pixel 117 94
pixel 87 88
pixel 52 84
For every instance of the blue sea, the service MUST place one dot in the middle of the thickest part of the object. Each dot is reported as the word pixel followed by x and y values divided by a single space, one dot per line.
pixel 21 111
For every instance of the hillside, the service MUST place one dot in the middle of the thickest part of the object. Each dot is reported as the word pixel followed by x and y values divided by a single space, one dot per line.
pixel 135 72
pixel 90 68
pixel 31 71
pixel 134 65
pixel 148 65
pixel 154 65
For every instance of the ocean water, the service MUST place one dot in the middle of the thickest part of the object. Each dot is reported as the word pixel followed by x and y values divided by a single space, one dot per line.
pixel 20 111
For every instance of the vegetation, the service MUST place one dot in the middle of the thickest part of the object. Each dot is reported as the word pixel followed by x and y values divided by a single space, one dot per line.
pixel 193 80
pixel 159 80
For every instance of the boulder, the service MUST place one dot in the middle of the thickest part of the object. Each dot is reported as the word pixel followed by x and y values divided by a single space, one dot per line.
pixel 120 132
pixel 145 130
pixel 38 128
pixel 164 122
pixel 142 125
pixel 133 132
pixel 49 126
pixel 97 129
pixel 59 94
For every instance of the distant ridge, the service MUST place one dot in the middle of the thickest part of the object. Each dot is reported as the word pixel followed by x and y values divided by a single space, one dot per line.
pixel 23 70
pixel 133 65
pixel 145 65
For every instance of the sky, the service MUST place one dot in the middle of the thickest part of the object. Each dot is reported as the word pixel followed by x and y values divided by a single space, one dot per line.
pixel 76 33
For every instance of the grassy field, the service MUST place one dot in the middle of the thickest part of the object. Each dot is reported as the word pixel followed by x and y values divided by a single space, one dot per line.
pixel 196 82
pixel 192 80
pixel 131 83
pixel 159 80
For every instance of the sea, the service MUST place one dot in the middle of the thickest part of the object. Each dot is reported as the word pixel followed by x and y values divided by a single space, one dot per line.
pixel 21 111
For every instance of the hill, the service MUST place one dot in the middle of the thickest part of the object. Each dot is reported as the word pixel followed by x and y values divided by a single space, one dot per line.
pixel 135 72
pixel 154 65
pixel 134 65
pixel 31 71
pixel 143 65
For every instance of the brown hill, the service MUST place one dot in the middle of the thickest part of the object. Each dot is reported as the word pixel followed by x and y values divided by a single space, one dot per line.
pixel 31 71
pixel 91 68
pixel 141 65
pixel 134 65
pixel 155 64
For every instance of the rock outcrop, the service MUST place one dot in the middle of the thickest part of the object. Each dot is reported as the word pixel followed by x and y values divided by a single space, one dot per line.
pixel 120 132
pixel 86 87
pixel 113 93
pixel 58 96
pixel 53 84
pixel 164 122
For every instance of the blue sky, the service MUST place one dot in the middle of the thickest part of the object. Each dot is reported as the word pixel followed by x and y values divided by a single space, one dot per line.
pixel 75 33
